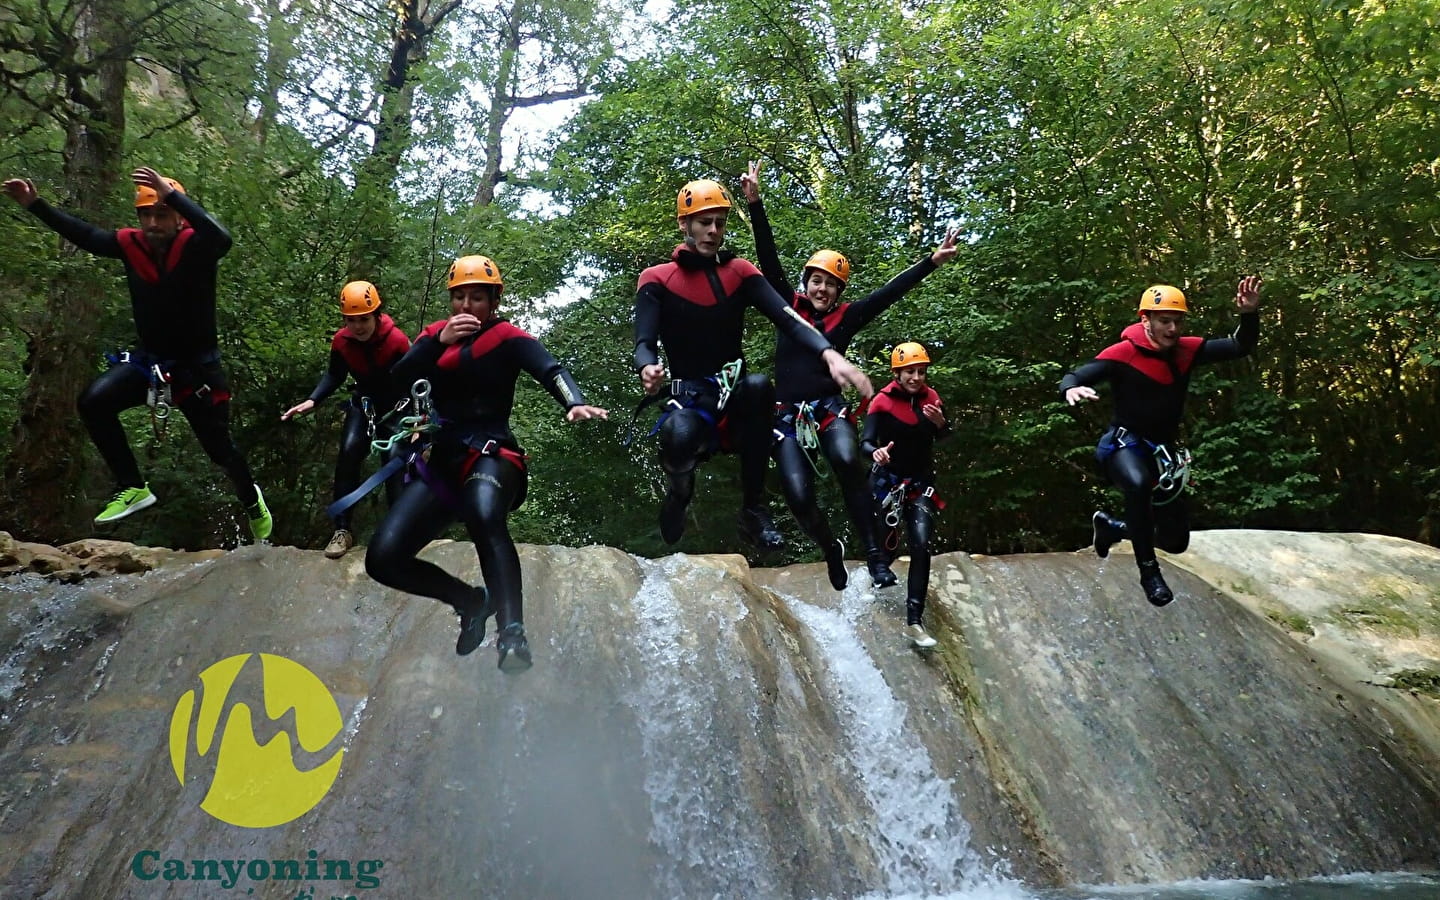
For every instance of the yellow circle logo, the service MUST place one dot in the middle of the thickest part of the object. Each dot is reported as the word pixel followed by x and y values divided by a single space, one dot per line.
pixel 258 785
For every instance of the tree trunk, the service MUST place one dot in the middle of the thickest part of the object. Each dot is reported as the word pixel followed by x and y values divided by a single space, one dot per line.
pixel 44 471
pixel 500 107
pixel 415 22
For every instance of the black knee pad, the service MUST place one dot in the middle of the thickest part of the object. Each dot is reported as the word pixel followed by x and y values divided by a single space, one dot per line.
pixel 684 438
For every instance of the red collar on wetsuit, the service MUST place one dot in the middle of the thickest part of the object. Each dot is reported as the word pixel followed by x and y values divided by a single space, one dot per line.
pixel 1136 351
pixel 823 322
pixel 140 257
pixel 900 403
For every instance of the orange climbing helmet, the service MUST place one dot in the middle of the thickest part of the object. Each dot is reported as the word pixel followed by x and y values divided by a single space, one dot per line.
pixel 699 196
pixel 359 298
pixel 475 270
pixel 828 261
pixel 908 354
pixel 146 195
pixel 1163 298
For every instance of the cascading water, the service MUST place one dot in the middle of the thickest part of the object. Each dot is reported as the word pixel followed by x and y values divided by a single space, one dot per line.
pixel 919 835
pixel 693 773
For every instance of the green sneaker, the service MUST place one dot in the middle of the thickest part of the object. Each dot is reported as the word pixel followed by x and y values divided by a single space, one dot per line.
pixel 127 501
pixel 261 522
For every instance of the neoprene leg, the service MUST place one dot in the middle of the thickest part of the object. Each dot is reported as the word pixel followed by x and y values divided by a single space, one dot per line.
pixel 1132 469
pixel 919 528
pixel 841 446
pixel 751 413
pixel 122 387
pixel 1172 526
pixel 485 501
pixel 797 483
pixel 416 519
pixel 211 424
pixel 683 439
pixel 354 447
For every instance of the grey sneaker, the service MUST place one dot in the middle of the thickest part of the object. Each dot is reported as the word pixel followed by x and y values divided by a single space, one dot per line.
pixel 919 637
pixel 340 543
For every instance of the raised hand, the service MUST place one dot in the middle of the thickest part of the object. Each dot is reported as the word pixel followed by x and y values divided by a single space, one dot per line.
pixel 1247 294
pixel 947 249
pixel 148 177
pixel 750 183
pixel 21 191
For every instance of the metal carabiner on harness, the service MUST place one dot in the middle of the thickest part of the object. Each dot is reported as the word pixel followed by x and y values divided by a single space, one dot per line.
pixel 894 502
pixel 807 431
pixel 410 427
pixel 1174 468
pixel 727 378
pixel 420 393
pixel 369 411
pixel 158 393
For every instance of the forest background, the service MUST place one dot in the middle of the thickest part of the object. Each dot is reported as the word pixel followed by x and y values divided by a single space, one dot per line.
pixel 1084 149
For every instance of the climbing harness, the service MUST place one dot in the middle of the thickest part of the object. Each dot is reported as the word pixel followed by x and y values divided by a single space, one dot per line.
pixel 1174 465
pixel 892 493
pixel 409 428
pixel 1172 462
pixel 688 393
pixel 805 421
pixel 158 394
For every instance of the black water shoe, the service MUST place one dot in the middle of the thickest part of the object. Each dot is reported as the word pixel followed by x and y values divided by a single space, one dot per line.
pixel 835 565
pixel 514 649
pixel 759 529
pixel 473 613
pixel 1156 590
pixel 1106 532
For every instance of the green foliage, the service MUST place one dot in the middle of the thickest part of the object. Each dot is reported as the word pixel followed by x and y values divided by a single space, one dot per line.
pixel 1084 149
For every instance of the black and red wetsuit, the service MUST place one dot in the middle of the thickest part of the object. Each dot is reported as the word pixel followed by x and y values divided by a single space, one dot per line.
pixel 894 416
pixel 695 306
pixel 369 363
pixel 801 378
pixel 1149 386
pixel 476 470
pixel 172 299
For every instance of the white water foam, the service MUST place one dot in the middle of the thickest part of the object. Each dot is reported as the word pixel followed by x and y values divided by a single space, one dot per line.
pixel 921 839
pixel 693 770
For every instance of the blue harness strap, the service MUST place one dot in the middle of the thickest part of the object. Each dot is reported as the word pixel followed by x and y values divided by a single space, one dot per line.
pixel 366 486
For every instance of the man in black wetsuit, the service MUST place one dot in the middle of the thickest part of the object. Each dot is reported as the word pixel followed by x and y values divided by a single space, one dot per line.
pixel 812 418
pixel 1149 373
pixel 171 262
pixel 695 306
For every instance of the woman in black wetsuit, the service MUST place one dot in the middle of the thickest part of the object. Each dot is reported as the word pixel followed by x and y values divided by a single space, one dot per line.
pixel 475 469
pixel 811 413
pixel 901 426
pixel 366 348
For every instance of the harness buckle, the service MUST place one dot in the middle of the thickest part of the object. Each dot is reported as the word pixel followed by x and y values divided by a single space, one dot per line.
pixel 489 448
